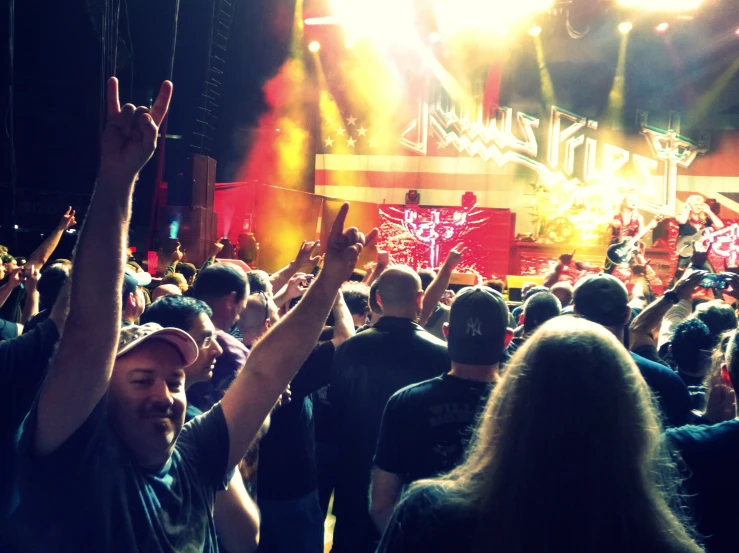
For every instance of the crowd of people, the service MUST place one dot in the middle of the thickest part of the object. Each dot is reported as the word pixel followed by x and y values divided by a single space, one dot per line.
pixel 215 409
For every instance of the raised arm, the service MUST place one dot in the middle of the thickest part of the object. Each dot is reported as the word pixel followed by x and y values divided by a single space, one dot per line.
pixel 715 221
pixel 438 286
pixel 42 254
pixel 79 375
pixel 276 358
pixel 683 217
pixel 343 322
pixel 305 256
pixel 648 322
pixel 30 308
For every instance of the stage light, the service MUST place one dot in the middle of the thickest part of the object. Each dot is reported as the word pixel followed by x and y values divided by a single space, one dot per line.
pixel 535 30
pixel 314 46
pixel 625 27
pixel 314 21
pixel 736 32
pixel 349 43
pixel 434 38
pixel 662 27
pixel 661 5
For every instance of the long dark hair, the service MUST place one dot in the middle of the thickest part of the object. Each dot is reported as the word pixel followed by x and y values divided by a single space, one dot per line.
pixel 568 454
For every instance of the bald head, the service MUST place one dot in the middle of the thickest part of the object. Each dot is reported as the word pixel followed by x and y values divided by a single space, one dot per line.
pixel 260 314
pixel 399 292
pixel 166 290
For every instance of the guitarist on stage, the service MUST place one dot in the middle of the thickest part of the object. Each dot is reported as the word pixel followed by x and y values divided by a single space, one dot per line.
pixel 628 222
pixel 695 217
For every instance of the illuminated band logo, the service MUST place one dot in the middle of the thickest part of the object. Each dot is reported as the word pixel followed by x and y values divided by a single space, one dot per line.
pixel 568 134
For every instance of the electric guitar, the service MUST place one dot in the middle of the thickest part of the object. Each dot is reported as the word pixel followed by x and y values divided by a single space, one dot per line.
pixel 621 253
pixel 686 245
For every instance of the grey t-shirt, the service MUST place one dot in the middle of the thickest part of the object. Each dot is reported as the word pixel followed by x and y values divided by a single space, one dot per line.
pixel 90 495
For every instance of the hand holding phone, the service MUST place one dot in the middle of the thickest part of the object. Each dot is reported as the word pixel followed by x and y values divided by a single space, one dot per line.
pixel 715 282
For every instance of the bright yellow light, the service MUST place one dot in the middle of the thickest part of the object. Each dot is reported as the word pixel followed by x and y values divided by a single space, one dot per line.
pixel 494 15
pixel 535 30
pixel 349 43
pixel 434 38
pixel 662 5
pixel 662 27
pixel 314 46
pixel 625 27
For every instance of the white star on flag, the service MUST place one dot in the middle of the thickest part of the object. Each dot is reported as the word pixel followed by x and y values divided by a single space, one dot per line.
pixel 350 142
pixel 329 141
pixel 362 131
pixel 350 120
pixel 340 131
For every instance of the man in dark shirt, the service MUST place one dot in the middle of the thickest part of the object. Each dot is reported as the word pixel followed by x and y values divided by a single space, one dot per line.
pixel 236 515
pixel 292 520
pixel 603 299
pixel 368 369
pixel 709 456
pixel 426 427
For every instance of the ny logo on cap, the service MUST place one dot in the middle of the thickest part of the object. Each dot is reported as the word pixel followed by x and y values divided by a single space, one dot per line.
pixel 474 327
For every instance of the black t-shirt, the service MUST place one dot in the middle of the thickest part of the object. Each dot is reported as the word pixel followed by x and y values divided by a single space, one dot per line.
pixel 287 459
pixel 89 495
pixel 426 521
pixel 686 229
pixel 23 363
pixel 672 394
pixel 426 427
pixel 709 461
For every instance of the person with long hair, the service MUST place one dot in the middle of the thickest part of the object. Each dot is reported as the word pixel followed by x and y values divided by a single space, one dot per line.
pixel 695 217
pixel 567 458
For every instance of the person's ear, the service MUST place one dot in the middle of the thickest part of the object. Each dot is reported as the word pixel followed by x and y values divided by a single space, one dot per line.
pixel 508 336
pixel 267 324
pixel 419 299
pixel 627 318
pixel 445 330
pixel 379 299
pixel 725 376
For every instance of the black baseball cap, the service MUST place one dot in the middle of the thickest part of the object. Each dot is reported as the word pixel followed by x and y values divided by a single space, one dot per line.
pixel 602 299
pixel 477 326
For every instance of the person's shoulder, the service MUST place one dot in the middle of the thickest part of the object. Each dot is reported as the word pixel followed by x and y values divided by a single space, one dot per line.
pixel 655 368
pixel 429 340
pixel 417 391
pixel 693 435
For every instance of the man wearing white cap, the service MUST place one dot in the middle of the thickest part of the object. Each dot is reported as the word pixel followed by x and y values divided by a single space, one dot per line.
pixel 108 463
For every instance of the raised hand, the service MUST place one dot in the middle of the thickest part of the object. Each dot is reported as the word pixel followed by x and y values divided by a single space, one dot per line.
pixel 31 276
pixel 298 284
pixel 67 221
pixel 383 258
pixel 455 255
pixel 305 253
pixel 216 249
pixel 343 248
pixel 685 287
pixel 15 277
pixel 130 135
